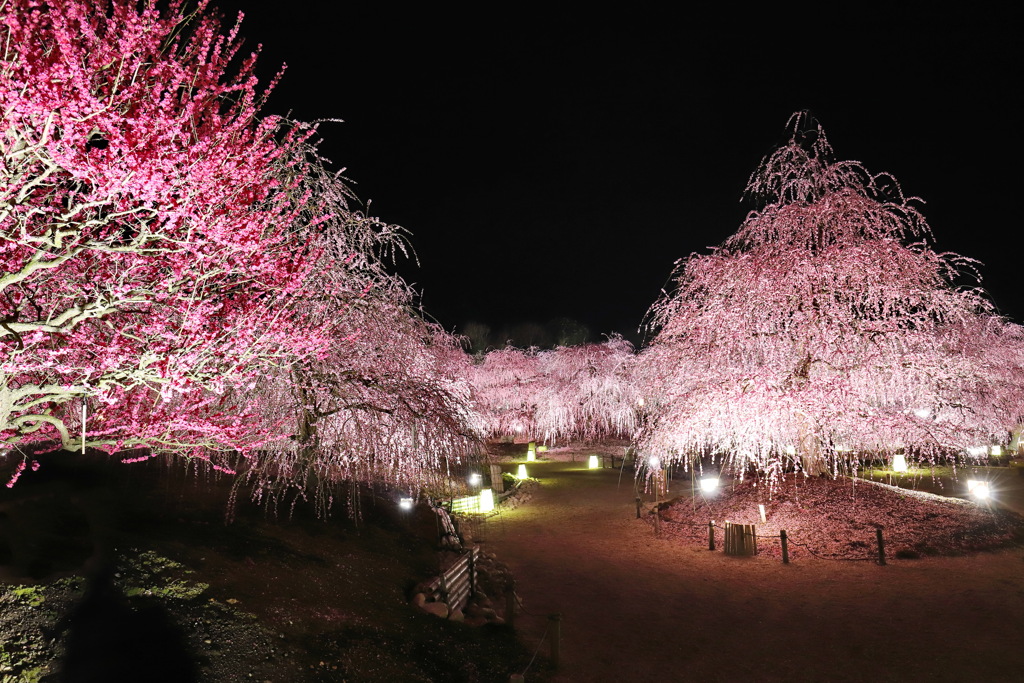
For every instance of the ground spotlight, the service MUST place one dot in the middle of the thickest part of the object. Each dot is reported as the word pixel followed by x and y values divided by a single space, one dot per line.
pixel 405 503
pixel 979 489
pixel 709 484
pixel 486 500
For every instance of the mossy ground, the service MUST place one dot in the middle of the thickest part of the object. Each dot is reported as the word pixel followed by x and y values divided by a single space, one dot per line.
pixel 167 591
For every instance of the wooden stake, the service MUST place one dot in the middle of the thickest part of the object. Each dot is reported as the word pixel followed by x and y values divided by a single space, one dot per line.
pixel 785 546
pixel 881 546
pixel 711 535
pixel 510 605
pixel 556 638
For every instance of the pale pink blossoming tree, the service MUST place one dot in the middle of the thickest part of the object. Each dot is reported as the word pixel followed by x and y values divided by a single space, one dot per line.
pixel 557 395
pixel 589 392
pixel 825 331
pixel 387 399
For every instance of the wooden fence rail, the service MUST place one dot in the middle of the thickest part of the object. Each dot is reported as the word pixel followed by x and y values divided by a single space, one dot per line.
pixel 456 584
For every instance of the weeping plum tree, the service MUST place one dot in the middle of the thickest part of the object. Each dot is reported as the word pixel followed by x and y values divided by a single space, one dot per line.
pixel 155 233
pixel 507 384
pixel 569 392
pixel 827 329
pixel 588 392
pixel 181 274
pixel 386 400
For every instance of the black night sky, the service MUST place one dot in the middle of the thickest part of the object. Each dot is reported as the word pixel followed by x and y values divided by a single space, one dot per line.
pixel 556 163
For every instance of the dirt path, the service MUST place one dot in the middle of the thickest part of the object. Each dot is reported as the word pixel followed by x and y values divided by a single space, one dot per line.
pixel 637 608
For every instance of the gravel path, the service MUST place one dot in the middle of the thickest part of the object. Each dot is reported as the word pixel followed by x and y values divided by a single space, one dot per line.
pixel 639 608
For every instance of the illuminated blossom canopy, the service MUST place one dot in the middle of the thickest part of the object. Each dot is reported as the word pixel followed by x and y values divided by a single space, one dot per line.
pixel 827 330
pixel 569 392
pixel 180 274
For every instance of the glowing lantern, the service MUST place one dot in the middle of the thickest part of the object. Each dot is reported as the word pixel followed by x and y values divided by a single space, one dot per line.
pixel 405 503
pixel 978 489
pixel 899 463
pixel 593 463
pixel 486 500
pixel 790 450
pixel 977 451
pixel 475 479
pixel 531 452
pixel 542 449
pixel 996 451
pixel 709 484
pixel 521 472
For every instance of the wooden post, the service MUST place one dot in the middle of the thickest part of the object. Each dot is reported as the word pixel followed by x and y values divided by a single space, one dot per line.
pixel 657 520
pixel 785 546
pixel 711 535
pixel 638 507
pixel 510 604
pixel 740 539
pixel 881 546
pixel 556 637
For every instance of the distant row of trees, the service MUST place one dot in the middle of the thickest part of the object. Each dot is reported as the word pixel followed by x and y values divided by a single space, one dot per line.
pixel 183 275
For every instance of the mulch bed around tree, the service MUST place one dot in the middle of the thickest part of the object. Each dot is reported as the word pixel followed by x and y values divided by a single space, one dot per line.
pixel 838 519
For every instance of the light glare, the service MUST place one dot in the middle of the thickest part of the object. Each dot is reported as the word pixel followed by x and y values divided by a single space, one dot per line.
pixel 899 463
pixel 709 484
pixel 593 463
pixel 978 489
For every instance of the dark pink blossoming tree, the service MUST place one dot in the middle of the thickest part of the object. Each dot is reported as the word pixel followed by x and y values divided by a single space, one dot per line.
pixel 827 330
pixel 148 258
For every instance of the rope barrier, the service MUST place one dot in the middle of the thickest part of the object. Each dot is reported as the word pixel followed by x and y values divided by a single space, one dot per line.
pixel 542 638
pixel 519 601
pixel 789 538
